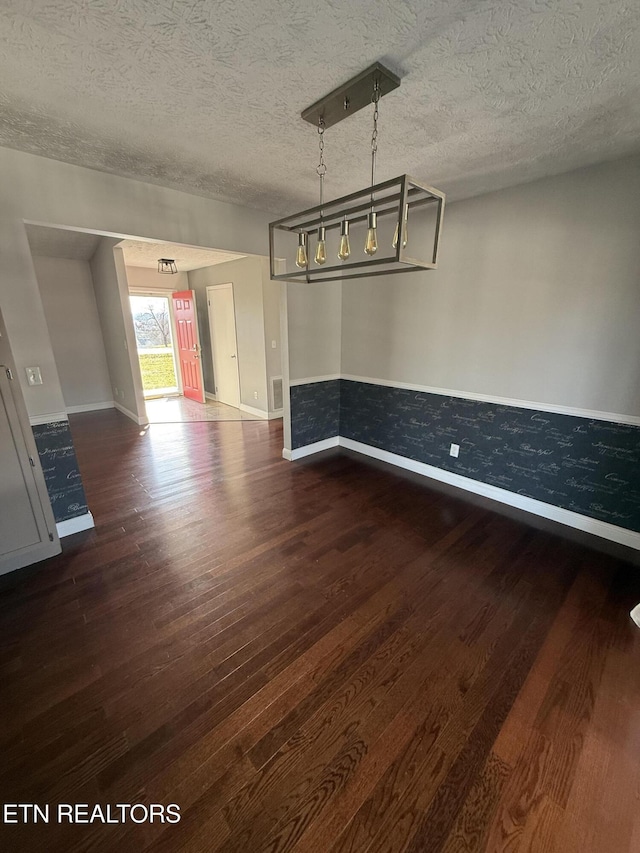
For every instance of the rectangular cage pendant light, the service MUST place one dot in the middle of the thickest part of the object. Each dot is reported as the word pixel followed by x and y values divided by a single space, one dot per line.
pixel 401 204
pixel 383 229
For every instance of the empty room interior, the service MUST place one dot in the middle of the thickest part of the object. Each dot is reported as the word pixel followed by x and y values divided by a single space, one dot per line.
pixel 320 426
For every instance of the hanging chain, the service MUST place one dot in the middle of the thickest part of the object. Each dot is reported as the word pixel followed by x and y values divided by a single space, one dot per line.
pixel 374 136
pixel 375 99
pixel 321 169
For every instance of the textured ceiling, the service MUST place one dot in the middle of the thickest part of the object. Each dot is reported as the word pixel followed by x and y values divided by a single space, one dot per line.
pixel 206 97
pixel 60 243
pixel 143 254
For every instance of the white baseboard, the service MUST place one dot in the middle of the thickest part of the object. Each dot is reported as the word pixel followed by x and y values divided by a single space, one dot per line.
pixel 309 449
pixel 277 413
pixel 259 413
pixel 90 407
pixel 564 516
pixel 130 414
pixel 209 396
pixel 75 525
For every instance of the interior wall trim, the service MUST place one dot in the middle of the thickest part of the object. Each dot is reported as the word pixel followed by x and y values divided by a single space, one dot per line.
pixel 90 407
pixel 130 414
pixel 75 525
pixel 591 414
pixel 564 516
pixel 259 413
pixel 311 379
pixel 310 449
pixel 51 418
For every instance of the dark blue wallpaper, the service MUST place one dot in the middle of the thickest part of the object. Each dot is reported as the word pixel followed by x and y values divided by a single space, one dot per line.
pixel 588 466
pixel 315 412
pixel 60 467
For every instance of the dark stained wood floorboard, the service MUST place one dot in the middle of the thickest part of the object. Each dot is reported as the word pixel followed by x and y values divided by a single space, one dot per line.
pixel 321 656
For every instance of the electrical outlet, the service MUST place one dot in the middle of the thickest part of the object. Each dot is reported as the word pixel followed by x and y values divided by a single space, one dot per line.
pixel 34 377
pixel 454 450
pixel 255 395
pixel 273 345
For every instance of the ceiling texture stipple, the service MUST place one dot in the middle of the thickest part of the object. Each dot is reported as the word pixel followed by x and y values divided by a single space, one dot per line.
pixel 138 253
pixel 206 97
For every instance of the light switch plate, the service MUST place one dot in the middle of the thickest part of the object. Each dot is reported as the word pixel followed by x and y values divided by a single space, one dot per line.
pixel 454 450
pixel 34 377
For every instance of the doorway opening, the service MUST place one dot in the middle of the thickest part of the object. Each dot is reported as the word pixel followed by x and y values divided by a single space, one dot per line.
pixel 153 327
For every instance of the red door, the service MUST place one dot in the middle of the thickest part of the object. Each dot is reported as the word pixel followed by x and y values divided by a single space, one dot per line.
pixel 184 312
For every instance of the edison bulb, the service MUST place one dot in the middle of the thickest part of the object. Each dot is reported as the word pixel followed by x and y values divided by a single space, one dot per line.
pixel 321 248
pixel 405 238
pixel 301 254
pixel 345 249
pixel 371 243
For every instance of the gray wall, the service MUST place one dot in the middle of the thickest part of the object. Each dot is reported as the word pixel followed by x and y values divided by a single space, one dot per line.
pixel 246 275
pixel 35 189
pixel 271 306
pixel 110 287
pixel 537 298
pixel 69 303
pixel 314 322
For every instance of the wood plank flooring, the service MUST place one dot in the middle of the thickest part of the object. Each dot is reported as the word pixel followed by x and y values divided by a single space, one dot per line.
pixel 327 656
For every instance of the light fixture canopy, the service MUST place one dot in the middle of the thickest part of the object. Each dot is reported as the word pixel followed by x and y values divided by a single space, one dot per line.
pixel 167 266
pixel 374 219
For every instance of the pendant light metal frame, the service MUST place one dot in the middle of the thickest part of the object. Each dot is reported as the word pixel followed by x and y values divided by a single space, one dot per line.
pixel 167 266
pixel 390 196
pixel 403 193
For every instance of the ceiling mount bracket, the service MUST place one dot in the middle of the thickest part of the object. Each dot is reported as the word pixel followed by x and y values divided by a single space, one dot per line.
pixel 351 96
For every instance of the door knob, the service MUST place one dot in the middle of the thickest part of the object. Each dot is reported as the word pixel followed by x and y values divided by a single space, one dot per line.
pixel 233 356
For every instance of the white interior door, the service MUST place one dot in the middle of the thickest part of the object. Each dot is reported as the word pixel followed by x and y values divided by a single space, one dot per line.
pixel 224 349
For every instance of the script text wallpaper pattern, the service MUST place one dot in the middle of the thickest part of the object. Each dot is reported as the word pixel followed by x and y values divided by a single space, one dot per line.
pixel 60 467
pixel 591 467
pixel 315 412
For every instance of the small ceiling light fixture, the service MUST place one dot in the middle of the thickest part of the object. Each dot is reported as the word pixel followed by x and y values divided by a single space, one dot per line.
pixel 167 266
pixel 377 215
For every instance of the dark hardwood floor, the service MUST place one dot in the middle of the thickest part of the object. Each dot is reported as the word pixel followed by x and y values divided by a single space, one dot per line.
pixel 319 656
